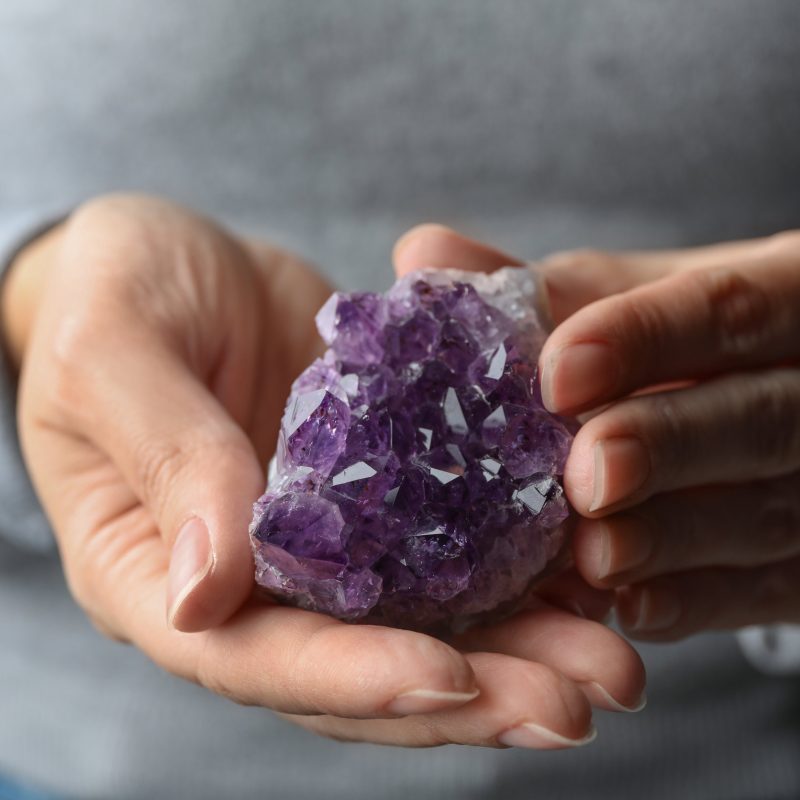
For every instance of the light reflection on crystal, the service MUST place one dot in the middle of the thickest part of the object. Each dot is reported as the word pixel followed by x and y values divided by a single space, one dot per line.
pixel 534 496
pixel 453 414
pixel 490 465
pixel 391 496
pixel 455 452
pixel 355 472
pixel 303 406
pixel 427 435
pixel 443 476
pixel 350 384
pixel 497 364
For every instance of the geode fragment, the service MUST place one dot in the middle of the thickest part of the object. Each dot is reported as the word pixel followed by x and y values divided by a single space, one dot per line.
pixel 416 481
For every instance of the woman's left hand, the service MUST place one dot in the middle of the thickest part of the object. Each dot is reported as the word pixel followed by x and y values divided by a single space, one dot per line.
pixel 687 470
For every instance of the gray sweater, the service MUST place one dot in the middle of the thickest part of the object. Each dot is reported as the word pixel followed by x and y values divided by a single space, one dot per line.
pixel 331 127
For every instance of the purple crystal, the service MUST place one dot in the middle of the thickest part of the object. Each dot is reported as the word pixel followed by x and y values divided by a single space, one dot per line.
pixel 416 481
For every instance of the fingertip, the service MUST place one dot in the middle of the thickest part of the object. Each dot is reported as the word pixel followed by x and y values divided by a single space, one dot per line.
pixel 435 246
pixel 579 472
pixel 614 678
pixel 578 376
pixel 653 609
pixel 571 592
pixel 591 551
pixel 446 670
pixel 210 600
pixel 210 576
pixel 422 236
pixel 396 673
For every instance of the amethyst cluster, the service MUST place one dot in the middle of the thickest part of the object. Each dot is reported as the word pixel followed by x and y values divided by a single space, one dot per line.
pixel 416 479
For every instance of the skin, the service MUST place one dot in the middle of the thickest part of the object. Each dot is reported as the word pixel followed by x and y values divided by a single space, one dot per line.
pixel 685 367
pixel 155 353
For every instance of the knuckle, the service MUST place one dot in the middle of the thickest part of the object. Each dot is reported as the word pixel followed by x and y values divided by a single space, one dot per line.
pixel 639 528
pixel 164 464
pixel 670 434
pixel 678 533
pixel 740 311
pixel 582 258
pixel 103 211
pixel 784 242
pixel 207 673
pixel 215 682
pixel 77 349
pixel 308 666
pixel 71 357
pixel 159 464
pixel 772 432
pixel 366 662
pixel 778 526
pixel 641 330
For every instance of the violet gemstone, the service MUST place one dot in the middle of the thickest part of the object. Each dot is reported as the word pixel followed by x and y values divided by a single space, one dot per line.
pixel 417 479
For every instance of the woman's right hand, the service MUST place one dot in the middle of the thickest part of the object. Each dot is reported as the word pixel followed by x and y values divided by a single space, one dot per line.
pixel 156 352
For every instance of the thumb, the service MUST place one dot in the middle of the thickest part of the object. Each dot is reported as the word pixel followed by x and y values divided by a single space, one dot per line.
pixel 569 280
pixel 438 247
pixel 190 465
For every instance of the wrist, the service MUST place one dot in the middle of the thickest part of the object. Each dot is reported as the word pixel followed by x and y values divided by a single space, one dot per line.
pixel 22 289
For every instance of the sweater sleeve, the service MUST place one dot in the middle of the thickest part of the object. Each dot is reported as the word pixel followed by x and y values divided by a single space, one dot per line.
pixel 22 520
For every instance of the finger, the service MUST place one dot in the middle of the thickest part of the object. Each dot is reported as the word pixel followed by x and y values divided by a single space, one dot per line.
pixel 300 662
pixel 739 526
pixel 521 704
pixel 266 654
pixel 675 606
pixel 687 325
pixel 197 473
pixel 569 591
pixel 736 428
pixel 604 665
pixel 432 246
pixel 702 257
pixel 575 278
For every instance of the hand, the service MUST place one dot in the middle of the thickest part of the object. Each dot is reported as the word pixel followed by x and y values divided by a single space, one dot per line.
pixel 685 364
pixel 157 351
pixel 691 473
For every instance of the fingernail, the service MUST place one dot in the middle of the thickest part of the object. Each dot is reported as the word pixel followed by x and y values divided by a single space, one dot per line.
pixel 625 550
pixel 621 467
pixel 529 734
pixel 579 375
pixel 612 703
pixel 655 610
pixel 544 295
pixel 426 701
pixel 191 560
